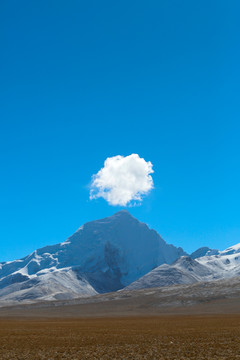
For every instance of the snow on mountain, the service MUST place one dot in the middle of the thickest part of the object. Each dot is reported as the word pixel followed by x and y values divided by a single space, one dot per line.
pixel 56 285
pixel 231 250
pixel 213 265
pixel 224 265
pixel 101 256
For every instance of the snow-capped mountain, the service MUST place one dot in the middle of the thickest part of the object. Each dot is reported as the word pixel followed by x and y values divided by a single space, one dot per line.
pixel 101 256
pixel 187 270
pixel 108 255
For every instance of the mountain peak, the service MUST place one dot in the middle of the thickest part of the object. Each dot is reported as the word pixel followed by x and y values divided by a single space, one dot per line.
pixel 122 212
pixel 204 251
pixel 123 215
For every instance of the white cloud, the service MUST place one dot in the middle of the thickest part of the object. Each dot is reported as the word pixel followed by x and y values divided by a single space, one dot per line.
pixel 122 180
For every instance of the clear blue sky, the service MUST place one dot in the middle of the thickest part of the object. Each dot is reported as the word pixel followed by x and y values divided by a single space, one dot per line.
pixel 84 80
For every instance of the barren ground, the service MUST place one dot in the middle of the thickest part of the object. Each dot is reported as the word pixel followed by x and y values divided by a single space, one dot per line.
pixel 178 337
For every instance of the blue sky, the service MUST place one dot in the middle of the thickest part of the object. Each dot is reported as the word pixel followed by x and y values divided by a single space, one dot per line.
pixel 83 81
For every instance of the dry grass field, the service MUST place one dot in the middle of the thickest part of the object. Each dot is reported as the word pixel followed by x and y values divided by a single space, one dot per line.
pixel 161 337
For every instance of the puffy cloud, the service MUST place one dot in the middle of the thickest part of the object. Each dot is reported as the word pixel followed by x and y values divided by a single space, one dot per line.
pixel 122 180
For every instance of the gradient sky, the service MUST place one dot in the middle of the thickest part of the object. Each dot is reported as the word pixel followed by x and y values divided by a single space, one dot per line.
pixel 82 81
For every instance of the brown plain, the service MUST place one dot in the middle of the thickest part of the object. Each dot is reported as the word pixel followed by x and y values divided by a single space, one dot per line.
pixel 168 337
